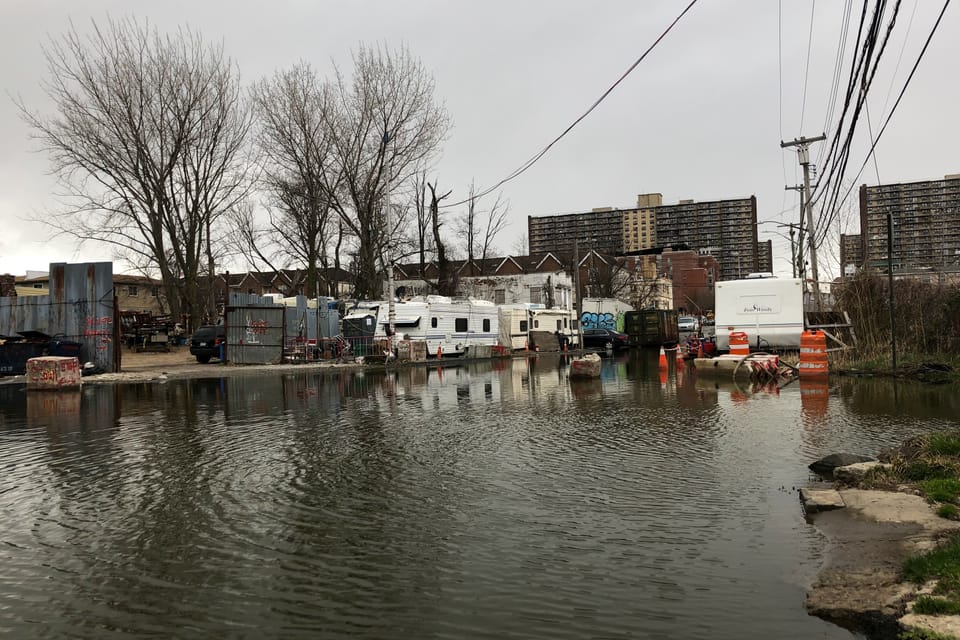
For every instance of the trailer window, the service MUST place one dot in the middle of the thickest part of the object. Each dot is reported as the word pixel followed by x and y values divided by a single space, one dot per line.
pixel 486 325
pixel 559 324
pixel 460 325
pixel 433 322
pixel 536 324
pixel 523 326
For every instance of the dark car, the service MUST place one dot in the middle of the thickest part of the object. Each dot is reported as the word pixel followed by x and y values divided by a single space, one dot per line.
pixel 206 342
pixel 605 339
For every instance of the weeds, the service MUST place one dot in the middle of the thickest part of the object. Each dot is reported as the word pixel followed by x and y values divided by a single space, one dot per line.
pixel 941 489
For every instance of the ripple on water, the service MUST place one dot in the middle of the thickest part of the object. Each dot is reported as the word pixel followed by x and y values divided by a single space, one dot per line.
pixel 485 504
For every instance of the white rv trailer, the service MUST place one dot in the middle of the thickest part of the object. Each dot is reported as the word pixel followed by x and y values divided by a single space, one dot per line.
pixel 452 324
pixel 517 321
pixel 768 309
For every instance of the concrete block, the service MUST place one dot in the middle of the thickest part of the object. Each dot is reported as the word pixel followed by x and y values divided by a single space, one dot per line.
pixel 480 351
pixel 53 373
pixel 816 500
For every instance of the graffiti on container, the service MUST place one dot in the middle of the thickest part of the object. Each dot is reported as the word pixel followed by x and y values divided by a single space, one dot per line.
pixel 598 321
pixel 255 329
pixel 101 329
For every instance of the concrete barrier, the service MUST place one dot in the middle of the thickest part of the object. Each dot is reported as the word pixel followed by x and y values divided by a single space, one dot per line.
pixel 480 351
pixel 53 373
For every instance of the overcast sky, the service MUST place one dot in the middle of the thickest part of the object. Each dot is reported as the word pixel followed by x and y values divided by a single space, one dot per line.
pixel 702 117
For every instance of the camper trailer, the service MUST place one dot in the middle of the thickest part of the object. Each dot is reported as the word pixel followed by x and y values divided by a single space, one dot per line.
pixel 768 309
pixel 450 324
pixel 524 326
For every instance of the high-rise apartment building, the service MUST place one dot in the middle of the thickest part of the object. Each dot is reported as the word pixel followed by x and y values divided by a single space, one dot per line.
pixel 851 253
pixel 926 225
pixel 725 229
pixel 640 224
pixel 765 256
pixel 600 230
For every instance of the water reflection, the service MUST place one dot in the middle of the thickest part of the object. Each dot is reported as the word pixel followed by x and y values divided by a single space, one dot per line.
pixel 483 500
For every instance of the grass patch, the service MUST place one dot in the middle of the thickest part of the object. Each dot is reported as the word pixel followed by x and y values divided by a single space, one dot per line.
pixel 921 470
pixel 884 478
pixel 947 511
pixel 931 606
pixel 941 489
pixel 923 634
pixel 944 444
pixel 941 563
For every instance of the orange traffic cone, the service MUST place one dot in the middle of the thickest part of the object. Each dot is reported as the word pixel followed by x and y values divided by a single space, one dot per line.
pixel 439 351
pixel 700 351
pixel 679 355
pixel 663 358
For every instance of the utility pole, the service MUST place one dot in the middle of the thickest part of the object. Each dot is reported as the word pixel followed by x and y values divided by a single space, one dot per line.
pixel 803 153
pixel 796 251
pixel 391 309
pixel 579 300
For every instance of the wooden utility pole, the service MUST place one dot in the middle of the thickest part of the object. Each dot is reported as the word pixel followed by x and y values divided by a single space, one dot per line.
pixel 796 251
pixel 803 153
pixel 577 298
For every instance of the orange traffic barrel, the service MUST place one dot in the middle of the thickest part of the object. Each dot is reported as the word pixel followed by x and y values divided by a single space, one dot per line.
pixel 814 397
pixel 739 344
pixel 813 354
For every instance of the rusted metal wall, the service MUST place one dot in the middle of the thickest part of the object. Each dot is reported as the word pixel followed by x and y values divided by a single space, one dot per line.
pixel 255 334
pixel 305 322
pixel 79 308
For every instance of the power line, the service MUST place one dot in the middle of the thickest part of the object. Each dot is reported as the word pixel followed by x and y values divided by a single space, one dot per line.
pixel 903 48
pixel 529 163
pixel 837 74
pixel 926 45
pixel 806 73
pixel 830 209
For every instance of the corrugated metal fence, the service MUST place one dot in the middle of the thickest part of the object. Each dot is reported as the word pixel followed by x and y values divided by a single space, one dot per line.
pixel 80 308
pixel 260 330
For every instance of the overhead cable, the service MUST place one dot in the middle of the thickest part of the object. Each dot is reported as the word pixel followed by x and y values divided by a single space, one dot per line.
pixel 529 163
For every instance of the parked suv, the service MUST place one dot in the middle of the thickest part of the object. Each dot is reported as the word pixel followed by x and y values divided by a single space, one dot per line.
pixel 605 339
pixel 206 342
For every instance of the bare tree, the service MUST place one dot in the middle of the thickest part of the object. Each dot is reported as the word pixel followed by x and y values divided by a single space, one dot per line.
pixel 299 172
pixel 424 218
pixel 146 142
pixel 480 228
pixel 385 126
pixel 605 277
pixel 521 246
pixel 446 282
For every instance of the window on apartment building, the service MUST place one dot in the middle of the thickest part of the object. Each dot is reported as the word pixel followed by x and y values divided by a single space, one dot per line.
pixel 499 296
pixel 535 295
pixel 460 325
pixel 132 291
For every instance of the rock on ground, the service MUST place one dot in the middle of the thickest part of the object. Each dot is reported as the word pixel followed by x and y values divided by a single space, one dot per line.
pixel 867 543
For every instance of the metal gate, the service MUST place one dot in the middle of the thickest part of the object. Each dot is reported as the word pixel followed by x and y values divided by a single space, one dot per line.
pixel 255 334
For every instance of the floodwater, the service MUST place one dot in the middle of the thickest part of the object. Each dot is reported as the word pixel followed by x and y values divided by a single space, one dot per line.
pixel 494 500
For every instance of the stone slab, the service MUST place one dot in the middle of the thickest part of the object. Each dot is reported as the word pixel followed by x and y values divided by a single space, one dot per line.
pixel 817 500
